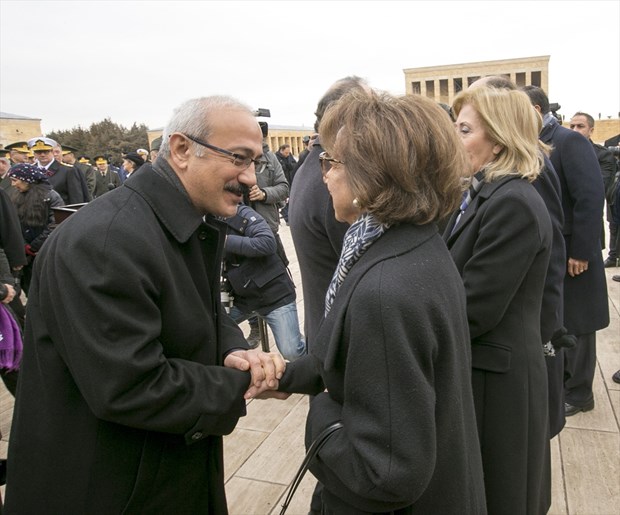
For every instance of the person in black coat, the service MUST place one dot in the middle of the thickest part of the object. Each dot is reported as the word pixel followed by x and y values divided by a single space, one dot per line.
pixel 317 235
pixel 391 359
pixel 500 240
pixel 67 182
pixel 132 372
pixel 583 123
pixel 12 260
pixel 552 331
pixel 586 308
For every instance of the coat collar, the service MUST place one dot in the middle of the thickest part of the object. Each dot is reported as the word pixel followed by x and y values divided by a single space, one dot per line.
pixel 485 192
pixel 172 208
pixel 547 132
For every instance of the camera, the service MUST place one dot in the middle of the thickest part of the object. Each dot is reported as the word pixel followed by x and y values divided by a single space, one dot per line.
pixel 615 151
pixel 554 108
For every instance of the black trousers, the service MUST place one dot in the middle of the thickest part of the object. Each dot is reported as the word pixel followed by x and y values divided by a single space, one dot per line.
pixel 579 368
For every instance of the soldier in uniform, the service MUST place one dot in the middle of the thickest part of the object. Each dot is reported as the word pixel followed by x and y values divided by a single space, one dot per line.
pixel 155 144
pixel 66 181
pixel 106 178
pixel 18 152
pixel 87 171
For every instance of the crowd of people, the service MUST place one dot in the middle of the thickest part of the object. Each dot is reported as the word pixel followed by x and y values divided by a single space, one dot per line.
pixel 453 284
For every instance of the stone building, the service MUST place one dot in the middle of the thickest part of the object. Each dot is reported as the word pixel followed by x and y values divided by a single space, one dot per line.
pixel 442 83
pixel 14 127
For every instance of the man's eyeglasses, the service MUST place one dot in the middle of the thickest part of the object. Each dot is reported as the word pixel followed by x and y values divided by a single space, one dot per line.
pixel 327 162
pixel 238 160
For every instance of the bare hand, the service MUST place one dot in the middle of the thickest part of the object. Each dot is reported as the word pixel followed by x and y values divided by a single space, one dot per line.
pixel 576 267
pixel 265 367
pixel 10 295
pixel 256 194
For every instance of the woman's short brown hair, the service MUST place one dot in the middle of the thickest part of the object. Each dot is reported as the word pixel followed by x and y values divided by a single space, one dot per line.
pixel 402 156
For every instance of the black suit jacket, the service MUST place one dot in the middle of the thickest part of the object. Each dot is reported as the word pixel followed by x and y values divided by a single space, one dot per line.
pixel 68 183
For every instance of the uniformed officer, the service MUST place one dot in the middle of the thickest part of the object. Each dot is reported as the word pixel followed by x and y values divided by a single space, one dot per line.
pixel 106 178
pixel 66 181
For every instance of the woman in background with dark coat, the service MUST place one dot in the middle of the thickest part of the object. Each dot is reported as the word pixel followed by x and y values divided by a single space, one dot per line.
pixel 34 199
pixel 500 241
pixel 391 360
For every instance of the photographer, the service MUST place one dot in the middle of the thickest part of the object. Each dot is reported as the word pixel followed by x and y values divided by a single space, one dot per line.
pixel 260 281
pixel 266 197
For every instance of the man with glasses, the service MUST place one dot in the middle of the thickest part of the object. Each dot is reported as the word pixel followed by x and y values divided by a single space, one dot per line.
pixel 133 372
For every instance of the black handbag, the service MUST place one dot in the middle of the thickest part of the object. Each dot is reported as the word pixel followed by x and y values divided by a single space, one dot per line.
pixel 310 455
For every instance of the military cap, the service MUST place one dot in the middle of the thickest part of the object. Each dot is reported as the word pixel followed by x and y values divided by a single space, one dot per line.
pixel 20 146
pixel 156 143
pixel 101 160
pixel 41 143
pixel 66 149
pixel 4 152
pixel 84 160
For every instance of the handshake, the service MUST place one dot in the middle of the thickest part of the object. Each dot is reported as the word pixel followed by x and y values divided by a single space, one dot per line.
pixel 266 369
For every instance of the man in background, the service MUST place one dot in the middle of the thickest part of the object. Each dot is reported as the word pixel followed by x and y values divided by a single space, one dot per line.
pixel 586 308
pixel 87 171
pixel 583 123
pixel 317 235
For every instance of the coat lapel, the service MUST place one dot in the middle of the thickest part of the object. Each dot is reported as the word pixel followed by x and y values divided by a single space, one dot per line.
pixel 470 213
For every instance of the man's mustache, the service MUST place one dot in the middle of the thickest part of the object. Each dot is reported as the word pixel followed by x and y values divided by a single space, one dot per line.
pixel 237 189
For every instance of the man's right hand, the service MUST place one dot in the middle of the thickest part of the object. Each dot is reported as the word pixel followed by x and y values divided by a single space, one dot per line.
pixel 266 369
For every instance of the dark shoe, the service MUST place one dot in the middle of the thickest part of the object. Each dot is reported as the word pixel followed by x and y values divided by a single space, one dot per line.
pixel 616 377
pixel 570 410
pixel 254 337
pixel 610 263
pixel 616 278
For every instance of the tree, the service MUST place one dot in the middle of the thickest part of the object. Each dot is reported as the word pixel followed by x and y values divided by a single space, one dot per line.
pixel 104 138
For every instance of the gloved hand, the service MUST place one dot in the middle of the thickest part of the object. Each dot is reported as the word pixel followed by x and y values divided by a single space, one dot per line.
pixel 561 338
pixel 29 251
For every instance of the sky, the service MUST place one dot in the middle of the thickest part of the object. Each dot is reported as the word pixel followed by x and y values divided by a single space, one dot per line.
pixel 73 63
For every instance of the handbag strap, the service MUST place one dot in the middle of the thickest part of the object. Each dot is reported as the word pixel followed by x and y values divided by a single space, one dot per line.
pixel 305 464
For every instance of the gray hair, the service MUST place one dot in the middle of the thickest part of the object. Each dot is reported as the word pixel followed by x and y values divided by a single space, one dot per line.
pixel 193 118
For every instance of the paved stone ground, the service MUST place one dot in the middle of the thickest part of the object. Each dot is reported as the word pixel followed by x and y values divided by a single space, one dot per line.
pixel 264 451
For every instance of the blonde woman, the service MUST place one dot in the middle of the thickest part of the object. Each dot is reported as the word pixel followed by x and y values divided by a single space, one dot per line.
pixel 500 240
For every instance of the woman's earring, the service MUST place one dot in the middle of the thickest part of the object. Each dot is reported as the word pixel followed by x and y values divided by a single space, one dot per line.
pixel 356 203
